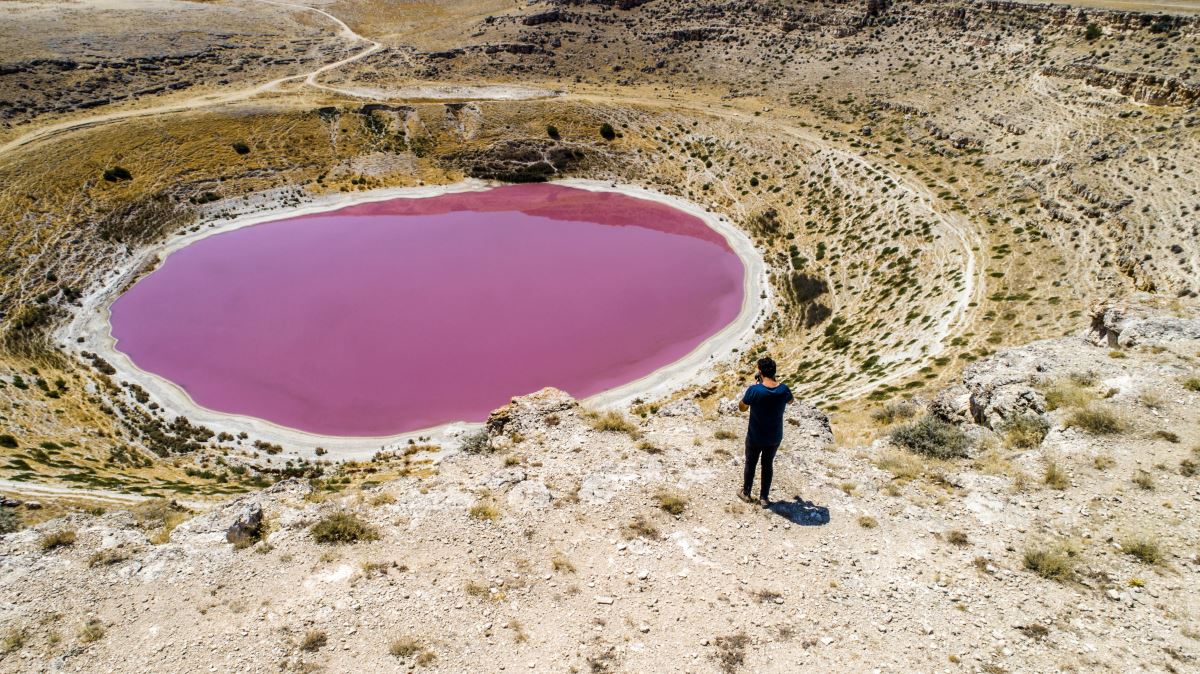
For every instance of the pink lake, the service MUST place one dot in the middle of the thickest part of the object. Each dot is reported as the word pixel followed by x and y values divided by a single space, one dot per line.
pixel 399 315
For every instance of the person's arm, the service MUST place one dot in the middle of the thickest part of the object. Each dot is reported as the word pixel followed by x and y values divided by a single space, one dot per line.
pixel 744 403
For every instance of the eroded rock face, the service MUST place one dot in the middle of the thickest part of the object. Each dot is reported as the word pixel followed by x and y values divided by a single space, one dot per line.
pixel 807 424
pixel 1002 387
pixel 531 412
pixel 240 519
pixel 519 161
pixel 1117 326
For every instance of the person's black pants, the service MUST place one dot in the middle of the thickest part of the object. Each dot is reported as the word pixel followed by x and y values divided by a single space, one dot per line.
pixel 753 454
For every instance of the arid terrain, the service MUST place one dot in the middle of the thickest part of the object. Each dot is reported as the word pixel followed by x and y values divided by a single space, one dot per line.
pixel 981 226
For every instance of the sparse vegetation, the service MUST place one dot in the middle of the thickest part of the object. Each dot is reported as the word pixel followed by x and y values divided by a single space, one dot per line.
pixel 313 640
pixel 478 442
pixel 108 557
pixel 1054 476
pixel 671 501
pixel 59 538
pixel 1143 479
pixel 867 522
pixel 894 411
pixel 10 521
pixel 1192 384
pixel 731 651
pixel 611 421
pixel 342 527
pixel 92 630
pixel 486 510
pixel 933 438
pixel 1025 431
pixel 1143 548
pixel 639 527
pixel 406 648
pixel 607 132
pixel 1095 420
pixel 956 537
pixel 1054 560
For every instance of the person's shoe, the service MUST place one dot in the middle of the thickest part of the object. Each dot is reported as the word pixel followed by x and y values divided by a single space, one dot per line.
pixel 745 497
pixel 764 502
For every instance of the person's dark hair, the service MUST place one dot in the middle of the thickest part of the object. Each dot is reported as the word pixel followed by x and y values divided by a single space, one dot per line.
pixel 767 367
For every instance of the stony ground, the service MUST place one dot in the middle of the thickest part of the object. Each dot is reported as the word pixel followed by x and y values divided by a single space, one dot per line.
pixel 551 546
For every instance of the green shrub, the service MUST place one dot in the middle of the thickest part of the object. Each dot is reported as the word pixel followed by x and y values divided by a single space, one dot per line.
pixel 1092 32
pixel 934 438
pixel 8 441
pixel 1025 431
pixel 241 148
pixel 607 132
pixel 1192 384
pixel 343 527
pixel 552 131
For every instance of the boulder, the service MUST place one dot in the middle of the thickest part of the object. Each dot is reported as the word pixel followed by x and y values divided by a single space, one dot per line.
pixel 807 424
pixel 680 408
pixel 246 526
pixel 530 412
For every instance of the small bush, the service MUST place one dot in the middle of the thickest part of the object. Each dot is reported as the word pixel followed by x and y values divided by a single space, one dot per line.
pixel 607 132
pixel 956 537
pixel 10 521
pixel 1187 468
pixel 731 651
pixel 1092 32
pixel 477 443
pixel 1143 548
pixel 934 438
pixel 14 638
pixel 552 131
pixel 1055 561
pixel 342 527
pixel 671 502
pixel 1192 384
pixel 893 412
pixel 92 630
pixel 1104 462
pixel 1144 480
pixel 1055 477
pixel 57 539
pixel 1095 420
pixel 108 557
pixel 313 640
pixel 639 527
pixel 723 434
pixel 8 441
pixel 1025 431
pixel 559 562
pixel 868 522
pixel 241 148
pixel 1166 435
pixel 612 421
pixel 485 510
pixel 405 647
pixel 1070 393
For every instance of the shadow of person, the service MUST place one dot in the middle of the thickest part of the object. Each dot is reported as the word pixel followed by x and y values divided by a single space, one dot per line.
pixel 799 511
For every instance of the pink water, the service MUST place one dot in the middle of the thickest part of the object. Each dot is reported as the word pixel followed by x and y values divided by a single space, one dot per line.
pixel 399 315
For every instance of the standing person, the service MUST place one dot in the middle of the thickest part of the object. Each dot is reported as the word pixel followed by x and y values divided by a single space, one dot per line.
pixel 766 400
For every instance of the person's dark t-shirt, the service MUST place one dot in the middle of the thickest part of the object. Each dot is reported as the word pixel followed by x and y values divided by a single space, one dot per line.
pixel 766 413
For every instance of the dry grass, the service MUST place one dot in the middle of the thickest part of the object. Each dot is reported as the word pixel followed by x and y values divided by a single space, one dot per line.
pixel 160 517
pixel 1024 432
pixel 14 638
pixel 1054 560
pixel 560 563
pixel 723 434
pixel 1054 476
pixel 731 651
pixel 895 411
pixel 957 537
pixel 611 421
pixel 1143 547
pixel 867 522
pixel 901 464
pixel 406 648
pixel 1192 384
pixel 1103 462
pixel 1143 479
pixel 92 630
pixel 1096 420
pixel 108 557
pixel 639 527
pixel 342 527
pixel 57 539
pixel 485 509
pixel 313 640
pixel 1073 392
pixel 671 501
